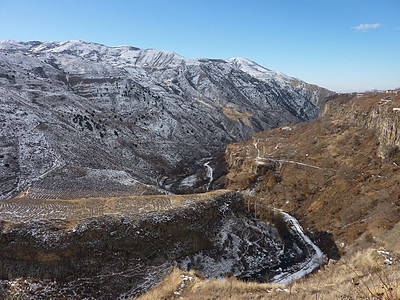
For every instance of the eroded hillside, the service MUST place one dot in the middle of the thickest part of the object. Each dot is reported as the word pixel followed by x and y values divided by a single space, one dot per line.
pixel 337 174
pixel 144 121
pixel 119 247
pixel 84 127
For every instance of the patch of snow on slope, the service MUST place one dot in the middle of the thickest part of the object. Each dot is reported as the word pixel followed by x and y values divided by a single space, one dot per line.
pixel 185 281
pixel 189 181
pixel 162 59
pixel 209 174
pixel 258 71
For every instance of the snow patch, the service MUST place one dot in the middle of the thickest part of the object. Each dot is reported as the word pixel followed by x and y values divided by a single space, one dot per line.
pixel 389 258
pixel 209 174
pixel 185 281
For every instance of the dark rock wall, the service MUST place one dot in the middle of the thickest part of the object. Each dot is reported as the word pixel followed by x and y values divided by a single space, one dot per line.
pixel 372 112
pixel 117 253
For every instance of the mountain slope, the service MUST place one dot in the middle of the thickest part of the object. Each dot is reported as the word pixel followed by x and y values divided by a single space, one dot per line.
pixel 117 248
pixel 82 119
pixel 338 173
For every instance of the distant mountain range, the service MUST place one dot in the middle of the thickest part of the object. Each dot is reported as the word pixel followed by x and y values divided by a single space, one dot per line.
pixel 81 119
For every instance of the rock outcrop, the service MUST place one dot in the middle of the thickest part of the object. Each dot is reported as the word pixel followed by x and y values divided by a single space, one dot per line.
pixel 379 112
pixel 119 247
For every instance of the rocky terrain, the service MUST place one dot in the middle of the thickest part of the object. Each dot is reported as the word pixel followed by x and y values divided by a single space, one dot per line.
pixel 87 131
pixel 97 141
pixel 98 248
pixel 338 174
pixel 81 119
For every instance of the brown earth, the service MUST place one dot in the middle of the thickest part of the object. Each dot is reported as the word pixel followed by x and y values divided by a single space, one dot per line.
pixel 337 174
pixel 100 248
pixel 23 208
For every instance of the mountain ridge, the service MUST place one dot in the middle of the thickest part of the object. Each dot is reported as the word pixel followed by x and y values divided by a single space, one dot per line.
pixel 117 102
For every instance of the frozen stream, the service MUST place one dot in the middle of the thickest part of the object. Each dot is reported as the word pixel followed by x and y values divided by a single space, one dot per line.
pixel 209 174
pixel 315 259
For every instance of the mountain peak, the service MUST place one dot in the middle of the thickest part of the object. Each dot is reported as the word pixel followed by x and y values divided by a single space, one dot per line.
pixel 259 72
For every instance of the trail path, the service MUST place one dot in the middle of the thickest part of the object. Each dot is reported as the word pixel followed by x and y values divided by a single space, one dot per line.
pixel 261 160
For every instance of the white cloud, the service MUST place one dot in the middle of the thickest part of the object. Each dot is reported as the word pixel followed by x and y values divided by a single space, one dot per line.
pixel 365 27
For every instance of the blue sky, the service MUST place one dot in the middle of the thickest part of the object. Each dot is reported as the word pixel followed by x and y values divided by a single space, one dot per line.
pixel 343 45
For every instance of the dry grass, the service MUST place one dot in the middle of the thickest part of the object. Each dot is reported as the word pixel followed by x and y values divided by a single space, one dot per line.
pixel 200 288
pixel 325 173
pixel 169 286
pixel 362 275
pixel 236 115
pixel 24 209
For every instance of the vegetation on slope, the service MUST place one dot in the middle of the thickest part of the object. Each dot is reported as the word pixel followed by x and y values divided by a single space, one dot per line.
pixel 339 175
pixel 325 172
pixel 370 274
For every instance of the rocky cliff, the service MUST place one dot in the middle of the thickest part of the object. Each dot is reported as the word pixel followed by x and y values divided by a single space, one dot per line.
pixel 119 247
pixel 84 127
pixel 379 112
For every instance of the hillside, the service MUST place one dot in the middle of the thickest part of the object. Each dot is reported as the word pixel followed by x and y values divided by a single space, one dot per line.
pixel 81 119
pixel 88 130
pixel 108 248
pixel 338 174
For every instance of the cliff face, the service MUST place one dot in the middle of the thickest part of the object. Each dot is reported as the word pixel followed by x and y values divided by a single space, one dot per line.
pixel 379 112
pixel 119 247
pixel 329 172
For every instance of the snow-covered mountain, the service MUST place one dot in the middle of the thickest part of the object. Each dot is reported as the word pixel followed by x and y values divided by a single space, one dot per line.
pixel 81 118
